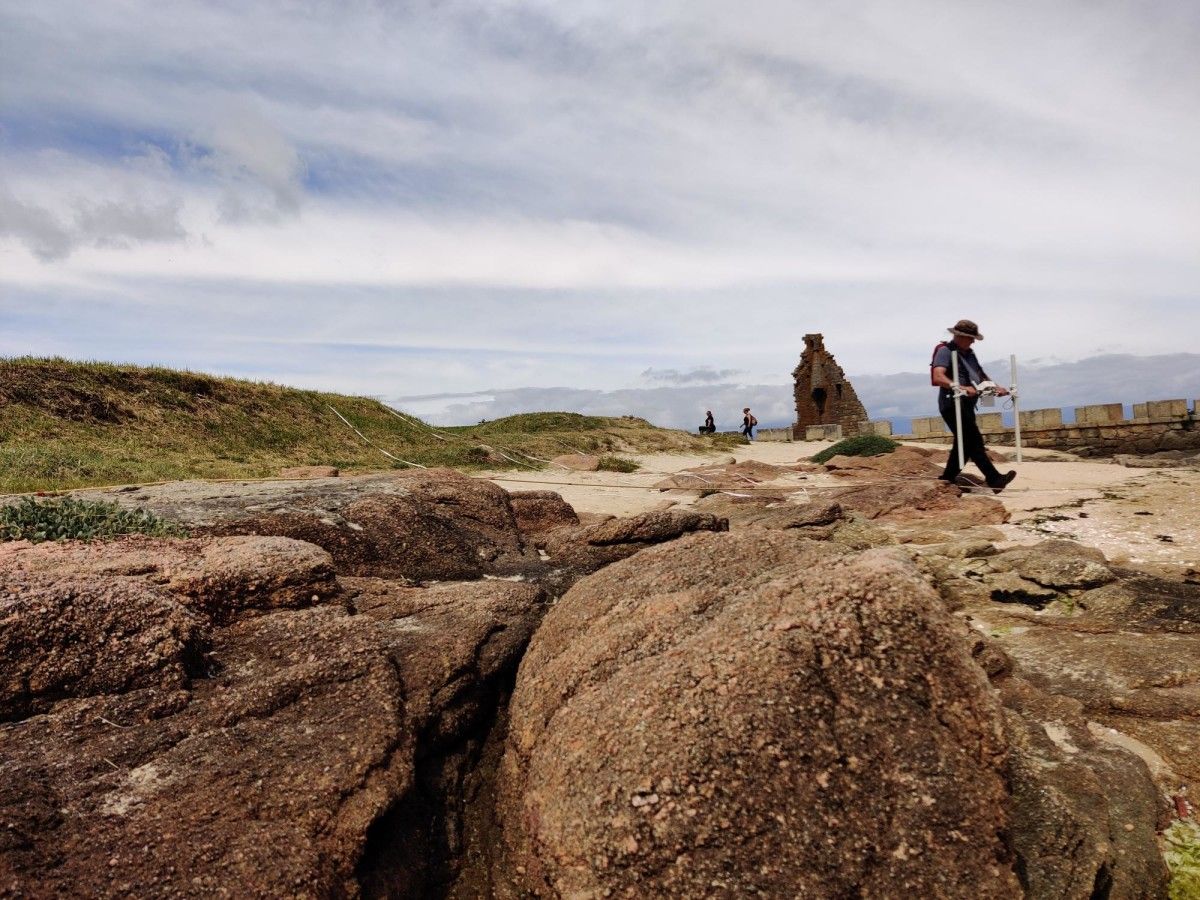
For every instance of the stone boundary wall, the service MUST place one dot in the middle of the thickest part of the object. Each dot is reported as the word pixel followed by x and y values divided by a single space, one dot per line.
pixel 1098 430
pixel 772 434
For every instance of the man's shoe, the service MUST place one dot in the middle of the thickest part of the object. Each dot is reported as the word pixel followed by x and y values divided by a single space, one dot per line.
pixel 1004 481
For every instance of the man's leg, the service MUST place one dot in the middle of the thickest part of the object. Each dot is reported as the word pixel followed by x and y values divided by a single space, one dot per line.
pixel 974 448
pixel 950 473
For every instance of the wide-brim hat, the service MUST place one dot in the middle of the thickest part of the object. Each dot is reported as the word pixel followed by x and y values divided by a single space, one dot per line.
pixel 966 328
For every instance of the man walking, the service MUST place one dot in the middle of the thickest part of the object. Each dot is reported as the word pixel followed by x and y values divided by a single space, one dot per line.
pixel 970 373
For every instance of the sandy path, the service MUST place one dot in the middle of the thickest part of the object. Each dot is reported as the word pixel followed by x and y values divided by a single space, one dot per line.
pixel 1094 501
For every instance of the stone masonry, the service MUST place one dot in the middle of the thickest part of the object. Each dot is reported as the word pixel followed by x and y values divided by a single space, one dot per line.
pixel 823 395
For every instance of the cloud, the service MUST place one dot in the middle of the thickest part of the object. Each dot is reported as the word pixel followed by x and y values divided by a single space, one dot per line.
pixel 536 193
pixel 703 374
pixel 261 172
pixel 107 224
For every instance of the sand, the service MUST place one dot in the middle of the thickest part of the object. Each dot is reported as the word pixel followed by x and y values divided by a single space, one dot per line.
pixel 1094 501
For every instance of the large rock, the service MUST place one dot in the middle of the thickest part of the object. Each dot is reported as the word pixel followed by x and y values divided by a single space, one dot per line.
pixel 753 713
pixel 815 518
pixel 577 462
pixel 75 636
pixel 1058 564
pixel 587 548
pixel 538 511
pixel 221 577
pixel 1085 811
pixel 1105 684
pixel 420 524
pixel 903 462
pixel 919 500
pixel 324 756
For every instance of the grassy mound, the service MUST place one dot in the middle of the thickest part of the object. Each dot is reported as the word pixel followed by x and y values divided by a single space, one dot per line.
pixel 66 425
pixel 66 519
pixel 618 464
pixel 861 445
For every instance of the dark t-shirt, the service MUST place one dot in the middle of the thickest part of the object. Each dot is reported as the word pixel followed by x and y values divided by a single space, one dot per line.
pixel 969 369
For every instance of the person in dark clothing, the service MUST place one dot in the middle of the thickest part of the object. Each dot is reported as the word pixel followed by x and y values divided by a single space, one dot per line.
pixel 970 373
pixel 709 426
pixel 748 423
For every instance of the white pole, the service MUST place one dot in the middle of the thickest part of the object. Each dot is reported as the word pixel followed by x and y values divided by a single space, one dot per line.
pixel 957 409
pixel 1012 361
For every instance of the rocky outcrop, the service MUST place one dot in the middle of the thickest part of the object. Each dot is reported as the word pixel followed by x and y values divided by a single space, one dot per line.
pixel 927 501
pixel 1085 811
pixel 757 711
pixel 76 636
pixel 218 577
pixel 318 752
pixel 419 524
pixel 587 548
pixel 1101 668
pixel 753 713
pixel 817 519
pixel 538 511
pixel 903 462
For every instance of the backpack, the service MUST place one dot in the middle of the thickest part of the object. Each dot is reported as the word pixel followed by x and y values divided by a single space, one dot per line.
pixel 753 421
pixel 937 347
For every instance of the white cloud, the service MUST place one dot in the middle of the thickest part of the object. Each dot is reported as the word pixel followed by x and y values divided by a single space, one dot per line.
pixel 533 193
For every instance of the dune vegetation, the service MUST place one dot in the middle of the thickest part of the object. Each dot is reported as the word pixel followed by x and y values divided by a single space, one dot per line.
pixel 67 424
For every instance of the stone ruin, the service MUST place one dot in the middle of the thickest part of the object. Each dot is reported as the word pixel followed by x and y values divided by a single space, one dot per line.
pixel 825 400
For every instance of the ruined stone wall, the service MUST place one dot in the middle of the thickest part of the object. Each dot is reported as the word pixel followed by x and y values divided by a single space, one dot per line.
pixel 823 395
pixel 1099 430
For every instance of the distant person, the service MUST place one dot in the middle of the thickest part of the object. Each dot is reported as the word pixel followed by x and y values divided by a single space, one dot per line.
pixel 970 373
pixel 748 423
pixel 709 426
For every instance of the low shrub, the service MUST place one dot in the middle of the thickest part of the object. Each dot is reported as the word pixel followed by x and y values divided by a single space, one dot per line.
pixel 617 464
pixel 861 445
pixel 1182 842
pixel 69 519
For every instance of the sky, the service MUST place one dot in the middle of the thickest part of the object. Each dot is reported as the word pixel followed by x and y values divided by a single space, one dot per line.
pixel 431 199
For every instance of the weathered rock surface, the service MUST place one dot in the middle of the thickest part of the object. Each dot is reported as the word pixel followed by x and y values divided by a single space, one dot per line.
pixel 1085 811
pixel 220 577
pixel 325 754
pixel 816 518
pixel 903 462
pixel 587 548
pixel 75 636
pixel 538 511
pixel 1124 654
pixel 753 713
pixel 910 501
pixel 577 462
pixel 417 524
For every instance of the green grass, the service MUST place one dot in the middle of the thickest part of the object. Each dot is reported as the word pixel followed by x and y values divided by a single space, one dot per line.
pixel 1182 842
pixel 618 464
pixel 67 425
pixel 67 519
pixel 861 445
